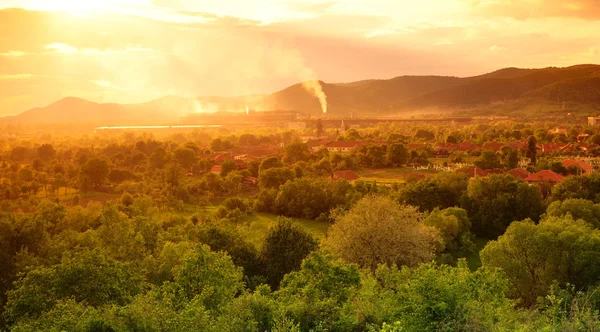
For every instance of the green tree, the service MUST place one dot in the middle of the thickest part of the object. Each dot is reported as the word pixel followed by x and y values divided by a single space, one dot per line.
pixel 208 277
pixel 488 160
pixel 91 278
pixel 46 152
pixel 95 171
pixel 495 201
pixel 316 296
pixel 397 154
pixel 227 167
pixel 271 162
pixel 455 230
pixel 378 230
pixel 532 149
pixel 283 249
pixel 578 208
pixel 296 152
pixel 275 177
pixel 534 256
pixel 186 157
pixel 442 191
pixel 159 158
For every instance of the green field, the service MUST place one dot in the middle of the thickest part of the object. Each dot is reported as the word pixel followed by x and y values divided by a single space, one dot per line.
pixel 255 226
pixel 393 175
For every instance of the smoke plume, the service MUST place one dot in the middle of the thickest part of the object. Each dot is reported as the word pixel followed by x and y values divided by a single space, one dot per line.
pixel 314 88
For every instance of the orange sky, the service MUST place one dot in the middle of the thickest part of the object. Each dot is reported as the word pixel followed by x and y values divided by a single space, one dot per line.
pixel 136 50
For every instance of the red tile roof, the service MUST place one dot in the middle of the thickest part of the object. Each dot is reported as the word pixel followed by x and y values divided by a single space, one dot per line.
pixel 343 144
pixel 544 176
pixel 347 175
pixel 494 146
pixel 587 168
pixel 518 173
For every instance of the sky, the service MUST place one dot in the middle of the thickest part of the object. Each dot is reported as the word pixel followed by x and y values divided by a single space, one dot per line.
pixel 131 51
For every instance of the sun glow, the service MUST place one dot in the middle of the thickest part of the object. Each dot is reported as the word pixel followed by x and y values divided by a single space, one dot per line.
pixel 79 7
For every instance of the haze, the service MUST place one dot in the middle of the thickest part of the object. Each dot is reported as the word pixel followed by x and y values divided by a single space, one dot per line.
pixel 137 50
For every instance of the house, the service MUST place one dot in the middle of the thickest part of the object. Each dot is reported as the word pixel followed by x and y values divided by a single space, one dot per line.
pixel 216 169
pixel 546 176
pixel 316 144
pixel 551 147
pixel 585 167
pixel 558 130
pixel 593 120
pixel 518 173
pixel 347 175
pixel 582 137
pixel 250 181
pixel 494 146
pixel 219 159
pixel 342 146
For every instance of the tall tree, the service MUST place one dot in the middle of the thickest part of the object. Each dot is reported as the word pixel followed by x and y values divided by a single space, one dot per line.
pixel 532 149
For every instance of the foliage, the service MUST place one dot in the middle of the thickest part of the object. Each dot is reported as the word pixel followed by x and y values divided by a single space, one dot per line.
pixel 378 230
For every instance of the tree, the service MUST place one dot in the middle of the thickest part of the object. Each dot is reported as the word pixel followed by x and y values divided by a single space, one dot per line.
pixel 583 186
pixel 425 134
pixel 227 167
pixel 317 295
pixel 319 127
pixel 455 230
pixel 442 191
pixel 91 278
pixel 95 171
pixel 186 157
pixel 495 201
pixel 46 152
pixel 271 162
pixel 488 160
pixel 283 249
pixel 578 209
pixel 296 152
pixel 397 154
pixel 378 230
pixel 275 177
pixel 532 149
pixel 510 157
pixel 534 256
pixel 208 277
pixel 159 158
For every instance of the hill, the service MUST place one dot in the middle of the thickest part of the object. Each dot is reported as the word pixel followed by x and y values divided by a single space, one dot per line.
pixel 514 89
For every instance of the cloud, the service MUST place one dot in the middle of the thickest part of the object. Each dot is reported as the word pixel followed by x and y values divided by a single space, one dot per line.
pixel 15 76
pixel 496 48
pixel 13 53
pixel 527 9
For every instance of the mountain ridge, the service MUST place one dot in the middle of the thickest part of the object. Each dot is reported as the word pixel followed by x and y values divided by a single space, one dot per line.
pixel 400 95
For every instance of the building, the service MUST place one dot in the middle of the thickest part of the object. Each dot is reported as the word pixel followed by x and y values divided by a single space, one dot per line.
pixel 584 167
pixel 518 173
pixel 593 120
pixel 342 146
pixel 545 176
pixel 216 169
pixel 558 130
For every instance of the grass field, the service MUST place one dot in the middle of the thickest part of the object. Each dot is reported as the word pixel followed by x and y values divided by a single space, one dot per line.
pixel 473 260
pixel 393 175
pixel 255 227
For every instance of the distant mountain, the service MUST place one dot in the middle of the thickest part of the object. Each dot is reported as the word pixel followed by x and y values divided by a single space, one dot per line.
pixel 515 88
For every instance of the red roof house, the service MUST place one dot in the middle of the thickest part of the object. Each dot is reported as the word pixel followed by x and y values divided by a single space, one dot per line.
pixel 518 173
pixel 587 168
pixel 545 176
